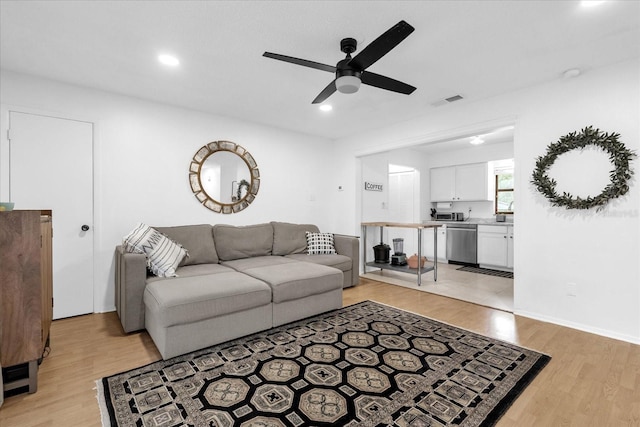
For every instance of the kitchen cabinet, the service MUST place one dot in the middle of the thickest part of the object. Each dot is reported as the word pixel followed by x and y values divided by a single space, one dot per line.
pixel 495 247
pixel 441 233
pixel 460 183
pixel 443 184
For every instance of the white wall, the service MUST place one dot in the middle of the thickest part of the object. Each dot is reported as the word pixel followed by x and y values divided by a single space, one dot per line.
pixel 142 155
pixel 473 154
pixel 596 250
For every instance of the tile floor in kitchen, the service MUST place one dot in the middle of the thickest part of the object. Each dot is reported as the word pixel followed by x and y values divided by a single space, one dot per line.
pixel 483 289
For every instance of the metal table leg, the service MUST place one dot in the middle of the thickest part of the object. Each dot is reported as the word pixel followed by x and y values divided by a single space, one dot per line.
pixel 364 249
pixel 419 256
pixel 435 254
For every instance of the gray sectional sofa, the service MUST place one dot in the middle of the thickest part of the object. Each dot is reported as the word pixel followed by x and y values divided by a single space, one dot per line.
pixel 235 281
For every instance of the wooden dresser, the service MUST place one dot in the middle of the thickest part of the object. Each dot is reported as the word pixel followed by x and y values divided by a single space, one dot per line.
pixel 26 292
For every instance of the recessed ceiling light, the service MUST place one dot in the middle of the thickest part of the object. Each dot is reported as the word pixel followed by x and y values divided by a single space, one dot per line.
pixel 591 3
pixel 326 107
pixel 502 129
pixel 476 140
pixel 571 73
pixel 169 60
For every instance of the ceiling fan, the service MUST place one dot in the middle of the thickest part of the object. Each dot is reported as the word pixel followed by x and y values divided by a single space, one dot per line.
pixel 350 72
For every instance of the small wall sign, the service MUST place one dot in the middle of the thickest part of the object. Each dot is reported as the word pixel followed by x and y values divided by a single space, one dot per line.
pixel 372 186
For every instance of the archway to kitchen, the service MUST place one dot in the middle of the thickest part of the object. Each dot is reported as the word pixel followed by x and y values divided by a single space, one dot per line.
pixel 389 203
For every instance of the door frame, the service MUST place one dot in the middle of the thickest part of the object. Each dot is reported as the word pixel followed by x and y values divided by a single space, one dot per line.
pixel 5 173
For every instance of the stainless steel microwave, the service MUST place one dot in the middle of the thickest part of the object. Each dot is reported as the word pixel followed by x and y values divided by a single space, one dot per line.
pixel 449 216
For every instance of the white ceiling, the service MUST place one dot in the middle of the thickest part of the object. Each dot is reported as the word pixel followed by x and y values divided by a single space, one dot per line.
pixel 494 135
pixel 477 49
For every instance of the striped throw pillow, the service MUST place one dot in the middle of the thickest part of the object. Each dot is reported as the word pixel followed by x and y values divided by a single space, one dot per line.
pixel 320 244
pixel 163 254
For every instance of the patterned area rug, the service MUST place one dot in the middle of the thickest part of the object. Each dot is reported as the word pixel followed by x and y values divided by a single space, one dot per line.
pixel 363 365
pixel 507 274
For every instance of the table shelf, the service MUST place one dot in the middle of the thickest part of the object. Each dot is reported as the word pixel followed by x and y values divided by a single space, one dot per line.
pixel 404 268
pixel 400 268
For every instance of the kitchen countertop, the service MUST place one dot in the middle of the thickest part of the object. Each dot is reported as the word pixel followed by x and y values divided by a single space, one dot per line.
pixel 489 221
pixel 477 221
pixel 423 224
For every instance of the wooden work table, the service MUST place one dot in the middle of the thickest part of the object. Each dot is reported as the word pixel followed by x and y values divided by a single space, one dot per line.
pixel 404 268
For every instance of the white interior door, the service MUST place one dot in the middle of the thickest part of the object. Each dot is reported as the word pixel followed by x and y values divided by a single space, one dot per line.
pixel 51 167
pixel 402 207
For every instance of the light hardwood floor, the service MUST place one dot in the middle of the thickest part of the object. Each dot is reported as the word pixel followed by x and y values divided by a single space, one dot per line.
pixel 590 381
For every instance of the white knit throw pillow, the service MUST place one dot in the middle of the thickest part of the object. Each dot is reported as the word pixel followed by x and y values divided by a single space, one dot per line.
pixel 163 254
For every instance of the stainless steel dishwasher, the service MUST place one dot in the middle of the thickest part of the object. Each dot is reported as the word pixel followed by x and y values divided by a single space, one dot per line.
pixel 462 246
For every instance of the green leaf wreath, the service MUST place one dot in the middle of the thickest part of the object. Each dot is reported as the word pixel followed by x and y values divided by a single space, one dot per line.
pixel 619 155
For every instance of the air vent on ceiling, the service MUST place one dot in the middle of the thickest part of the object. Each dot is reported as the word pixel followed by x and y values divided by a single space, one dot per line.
pixel 448 100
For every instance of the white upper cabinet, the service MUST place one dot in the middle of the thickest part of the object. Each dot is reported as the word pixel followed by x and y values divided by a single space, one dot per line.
pixel 460 183
pixel 472 182
pixel 443 184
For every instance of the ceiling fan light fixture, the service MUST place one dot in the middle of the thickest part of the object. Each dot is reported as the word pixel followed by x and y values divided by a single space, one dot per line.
pixel 347 84
pixel 350 72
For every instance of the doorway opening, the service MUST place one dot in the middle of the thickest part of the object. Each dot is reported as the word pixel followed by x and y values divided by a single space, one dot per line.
pixel 407 198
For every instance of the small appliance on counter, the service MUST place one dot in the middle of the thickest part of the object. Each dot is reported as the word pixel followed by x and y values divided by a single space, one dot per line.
pixel 399 257
pixel 449 216
pixel 501 218
pixel 381 253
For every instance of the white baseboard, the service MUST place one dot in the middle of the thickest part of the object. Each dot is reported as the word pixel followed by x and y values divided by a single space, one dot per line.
pixel 584 328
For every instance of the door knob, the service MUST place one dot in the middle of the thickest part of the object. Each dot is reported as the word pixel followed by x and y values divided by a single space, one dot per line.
pixel 85 228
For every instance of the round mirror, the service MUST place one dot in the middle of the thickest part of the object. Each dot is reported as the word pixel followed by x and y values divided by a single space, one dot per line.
pixel 224 177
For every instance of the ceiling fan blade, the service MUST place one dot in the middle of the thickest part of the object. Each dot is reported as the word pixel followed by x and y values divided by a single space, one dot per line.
pixel 326 92
pixel 382 82
pixel 381 46
pixel 298 61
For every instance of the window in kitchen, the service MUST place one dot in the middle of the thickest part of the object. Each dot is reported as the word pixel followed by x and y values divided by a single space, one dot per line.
pixel 503 171
pixel 504 193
